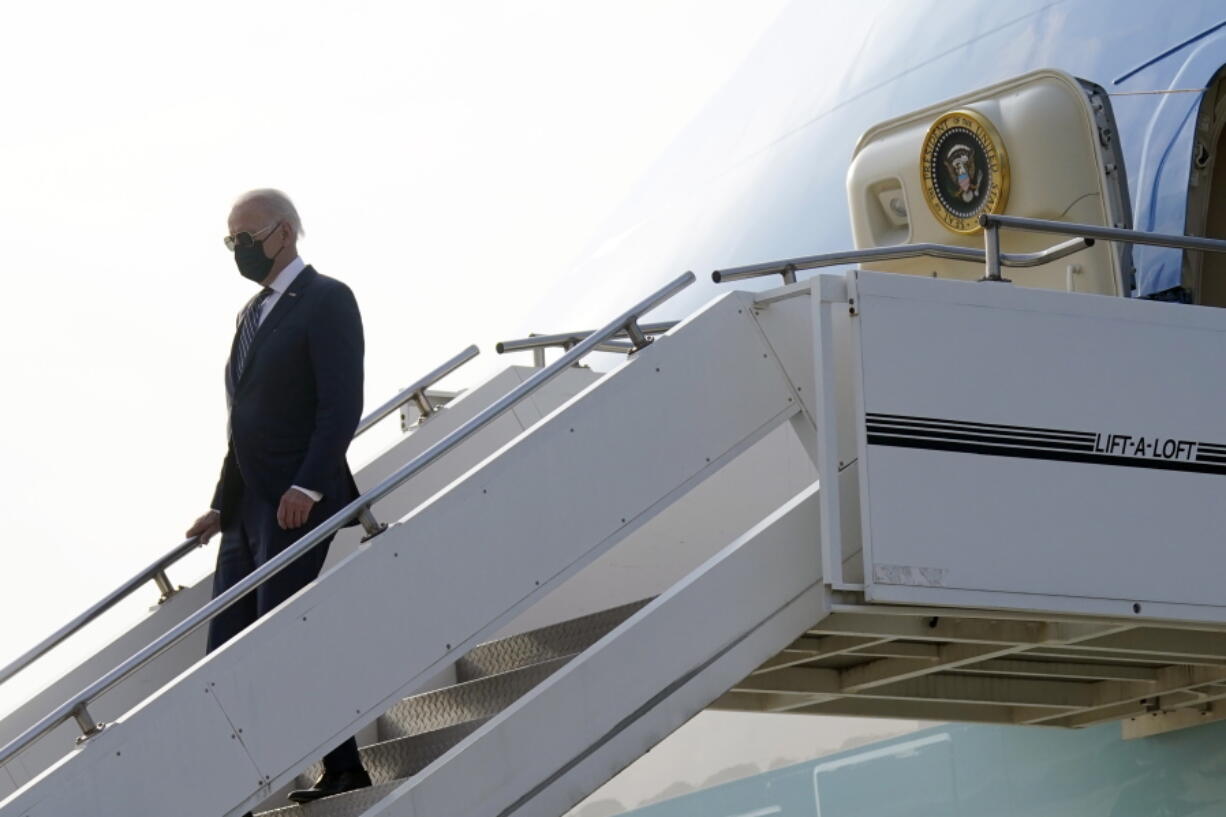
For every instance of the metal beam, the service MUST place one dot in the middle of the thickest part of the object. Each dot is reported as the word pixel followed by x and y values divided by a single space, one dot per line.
pixel 1025 692
pixel 1085 671
pixel 919 628
pixel 1115 699
pixel 1157 723
pixel 1163 642
pixel 917 710
pixel 891 670
pixel 809 648
pixel 1118 657
pixel 899 649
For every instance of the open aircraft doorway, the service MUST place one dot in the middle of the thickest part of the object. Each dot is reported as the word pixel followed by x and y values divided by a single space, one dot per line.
pixel 1205 273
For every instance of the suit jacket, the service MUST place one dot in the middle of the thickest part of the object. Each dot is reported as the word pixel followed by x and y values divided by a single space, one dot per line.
pixel 295 408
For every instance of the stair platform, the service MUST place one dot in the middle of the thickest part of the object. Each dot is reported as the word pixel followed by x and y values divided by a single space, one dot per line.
pixel 994 667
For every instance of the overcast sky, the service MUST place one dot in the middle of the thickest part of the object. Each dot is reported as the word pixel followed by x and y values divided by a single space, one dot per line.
pixel 449 159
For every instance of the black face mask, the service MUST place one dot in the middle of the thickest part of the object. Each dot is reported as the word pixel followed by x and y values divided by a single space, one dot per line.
pixel 252 263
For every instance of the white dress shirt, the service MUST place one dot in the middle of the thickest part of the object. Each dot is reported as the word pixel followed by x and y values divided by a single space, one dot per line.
pixel 280 284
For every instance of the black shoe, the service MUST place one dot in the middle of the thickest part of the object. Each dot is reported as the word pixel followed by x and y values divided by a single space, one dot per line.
pixel 330 783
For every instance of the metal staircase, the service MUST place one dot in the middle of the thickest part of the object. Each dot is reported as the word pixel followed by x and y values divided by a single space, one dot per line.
pixel 422 728
pixel 982 547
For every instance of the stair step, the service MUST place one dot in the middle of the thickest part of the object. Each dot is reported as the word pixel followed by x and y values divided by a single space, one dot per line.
pixel 463 703
pixel 350 804
pixel 394 759
pixel 420 729
pixel 544 644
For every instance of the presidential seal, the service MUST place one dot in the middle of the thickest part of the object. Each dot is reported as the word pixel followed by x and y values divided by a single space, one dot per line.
pixel 964 169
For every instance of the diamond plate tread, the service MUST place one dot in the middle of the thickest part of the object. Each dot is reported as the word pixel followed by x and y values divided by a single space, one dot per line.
pixel 350 804
pixel 399 758
pixel 469 701
pixel 420 729
pixel 544 644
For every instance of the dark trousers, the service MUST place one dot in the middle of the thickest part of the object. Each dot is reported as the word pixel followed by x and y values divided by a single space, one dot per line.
pixel 250 541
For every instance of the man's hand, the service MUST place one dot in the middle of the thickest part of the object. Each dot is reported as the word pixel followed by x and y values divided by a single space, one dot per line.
pixel 294 508
pixel 205 527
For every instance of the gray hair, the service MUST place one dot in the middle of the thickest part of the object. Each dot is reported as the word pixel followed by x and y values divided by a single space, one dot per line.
pixel 277 203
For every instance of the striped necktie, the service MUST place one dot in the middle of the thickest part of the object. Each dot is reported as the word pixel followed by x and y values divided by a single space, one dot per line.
pixel 246 333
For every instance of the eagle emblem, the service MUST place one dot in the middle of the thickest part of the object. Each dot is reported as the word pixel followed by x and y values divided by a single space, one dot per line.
pixel 964 170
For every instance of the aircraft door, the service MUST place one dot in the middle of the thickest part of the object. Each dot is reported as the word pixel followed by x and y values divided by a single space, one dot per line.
pixel 1042 145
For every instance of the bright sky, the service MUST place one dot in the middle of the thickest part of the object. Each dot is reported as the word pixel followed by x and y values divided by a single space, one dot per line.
pixel 449 161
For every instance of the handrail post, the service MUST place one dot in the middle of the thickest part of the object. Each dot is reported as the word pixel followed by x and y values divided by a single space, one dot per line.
pixel 372 526
pixel 567 345
pixel 89 726
pixel 991 248
pixel 164 585
pixel 422 401
pixel 637 338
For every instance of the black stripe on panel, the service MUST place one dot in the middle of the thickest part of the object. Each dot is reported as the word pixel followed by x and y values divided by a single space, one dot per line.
pixel 1046 454
pixel 1069 445
pixel 965 424
pixel 1004 433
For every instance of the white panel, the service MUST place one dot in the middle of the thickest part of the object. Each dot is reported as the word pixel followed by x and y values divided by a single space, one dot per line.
pixel 1032 522
pixel 146 761
pixel 665 550
pixel 464 563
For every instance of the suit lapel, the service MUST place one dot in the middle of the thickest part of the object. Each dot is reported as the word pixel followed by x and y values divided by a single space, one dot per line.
pixel 285 304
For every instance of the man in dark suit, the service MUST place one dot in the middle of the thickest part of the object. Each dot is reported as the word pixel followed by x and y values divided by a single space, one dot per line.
pixel 294 390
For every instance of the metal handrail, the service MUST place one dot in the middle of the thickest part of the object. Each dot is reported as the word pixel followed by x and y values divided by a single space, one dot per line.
pixel 416 392
pixel 156 572
pixel 568 339
pixel 77 706
pixel 790 267
pixel 1038 225
pixel 992 225
pixel 117 595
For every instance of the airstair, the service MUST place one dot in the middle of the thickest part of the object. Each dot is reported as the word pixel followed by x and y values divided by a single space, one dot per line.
pixel 899 493
pixel 1014 532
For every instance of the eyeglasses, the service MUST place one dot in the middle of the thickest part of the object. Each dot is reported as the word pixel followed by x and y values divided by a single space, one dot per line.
pixel 246 239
